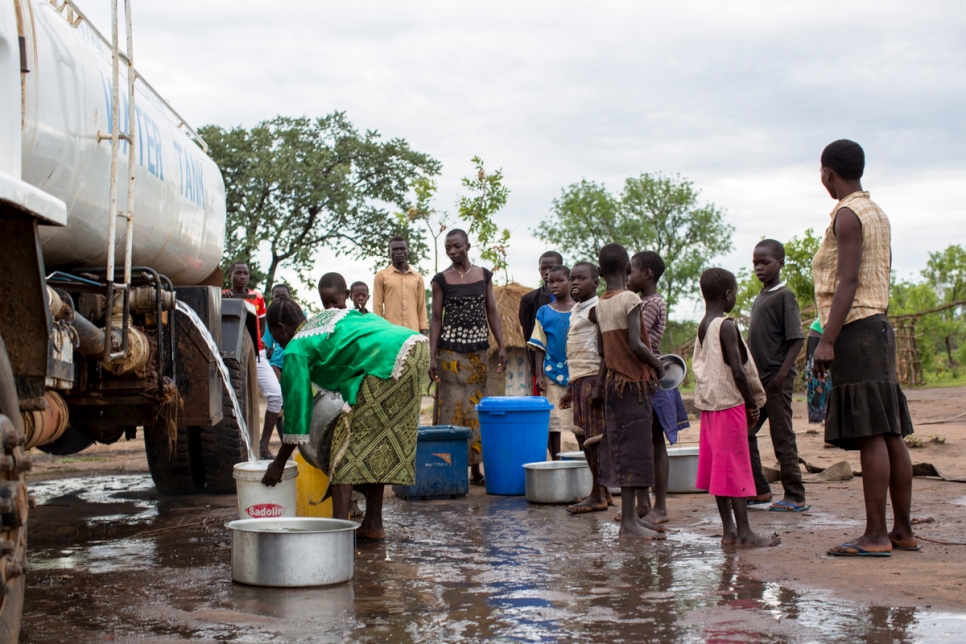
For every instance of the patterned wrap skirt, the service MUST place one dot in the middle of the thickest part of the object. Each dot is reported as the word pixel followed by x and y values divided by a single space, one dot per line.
pixel 462 384
pixel 376 441
pixel 865 399
pixel 817 387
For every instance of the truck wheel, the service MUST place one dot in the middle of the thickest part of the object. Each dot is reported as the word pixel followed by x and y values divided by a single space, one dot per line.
pixel 171 466
pixel 13 506
pixel 222 446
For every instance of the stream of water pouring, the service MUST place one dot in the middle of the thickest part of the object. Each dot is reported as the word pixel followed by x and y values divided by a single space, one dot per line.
pixel 225 377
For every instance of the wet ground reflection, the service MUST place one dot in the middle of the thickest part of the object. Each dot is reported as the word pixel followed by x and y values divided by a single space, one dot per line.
pixel 108 558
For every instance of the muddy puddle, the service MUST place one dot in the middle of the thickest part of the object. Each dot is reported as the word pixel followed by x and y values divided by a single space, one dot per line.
pixel 111 561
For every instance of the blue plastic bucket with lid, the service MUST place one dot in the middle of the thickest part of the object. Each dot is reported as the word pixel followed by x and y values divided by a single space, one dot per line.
pixel 514 430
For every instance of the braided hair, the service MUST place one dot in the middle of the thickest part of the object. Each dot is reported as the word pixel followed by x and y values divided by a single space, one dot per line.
pixel 285 311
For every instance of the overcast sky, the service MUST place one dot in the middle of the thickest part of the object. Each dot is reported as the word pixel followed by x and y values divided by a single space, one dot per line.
pixel 739 97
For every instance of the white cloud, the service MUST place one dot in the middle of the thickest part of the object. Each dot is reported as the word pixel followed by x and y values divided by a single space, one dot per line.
pixel 738 96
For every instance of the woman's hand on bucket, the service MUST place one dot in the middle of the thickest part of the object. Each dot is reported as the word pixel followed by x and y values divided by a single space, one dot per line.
pixel 273 474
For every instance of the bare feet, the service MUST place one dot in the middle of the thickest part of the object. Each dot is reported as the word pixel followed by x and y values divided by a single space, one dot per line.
pixel 635 529
pixel 656 517
pixel 589 504
pixel 370 533
pixel 761 498
pixel 354 510
pixel 903 541
pixel 729 538
pixel 752 540
pixel 608 496
pixel 651 526
pixel 644 524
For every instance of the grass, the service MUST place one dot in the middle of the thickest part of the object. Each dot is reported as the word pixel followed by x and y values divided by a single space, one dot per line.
pixel 934 382
pixel 66 460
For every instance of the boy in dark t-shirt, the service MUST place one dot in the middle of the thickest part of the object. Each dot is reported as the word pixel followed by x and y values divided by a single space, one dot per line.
pixel 775 339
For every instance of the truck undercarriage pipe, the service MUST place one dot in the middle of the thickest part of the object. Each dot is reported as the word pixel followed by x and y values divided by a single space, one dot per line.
pixel 92 344
pixel 43 427
pixel 91 338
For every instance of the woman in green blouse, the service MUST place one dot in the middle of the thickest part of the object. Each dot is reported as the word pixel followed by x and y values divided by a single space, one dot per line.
pixel 376 366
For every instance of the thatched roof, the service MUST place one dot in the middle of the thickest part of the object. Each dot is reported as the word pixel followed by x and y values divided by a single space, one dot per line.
pixel 508 305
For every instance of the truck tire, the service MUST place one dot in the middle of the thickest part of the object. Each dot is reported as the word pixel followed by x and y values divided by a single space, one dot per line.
pixel 172 467
pixel 222 446
pixel 13 529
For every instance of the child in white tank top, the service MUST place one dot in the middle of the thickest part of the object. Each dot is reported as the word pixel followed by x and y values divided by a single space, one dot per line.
pixel 728 393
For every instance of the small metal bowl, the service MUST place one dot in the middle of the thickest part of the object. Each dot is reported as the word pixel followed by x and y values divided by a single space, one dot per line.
pixel 675 370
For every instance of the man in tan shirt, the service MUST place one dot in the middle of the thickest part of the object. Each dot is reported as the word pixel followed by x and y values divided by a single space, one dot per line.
pixel 398 292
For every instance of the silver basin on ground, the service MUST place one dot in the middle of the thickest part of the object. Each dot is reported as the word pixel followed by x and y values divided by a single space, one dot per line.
pixel 557 481
pixel 292 552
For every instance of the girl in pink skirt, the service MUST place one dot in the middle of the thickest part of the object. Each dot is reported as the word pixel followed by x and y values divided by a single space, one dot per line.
pixel 728 393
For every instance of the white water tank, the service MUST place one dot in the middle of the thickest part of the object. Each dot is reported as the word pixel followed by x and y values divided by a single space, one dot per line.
pixel 179 194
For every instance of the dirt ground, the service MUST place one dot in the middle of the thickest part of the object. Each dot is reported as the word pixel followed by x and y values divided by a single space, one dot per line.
pixel 932 578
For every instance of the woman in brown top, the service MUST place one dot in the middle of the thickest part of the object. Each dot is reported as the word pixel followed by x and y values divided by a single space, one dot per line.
pixel 867 410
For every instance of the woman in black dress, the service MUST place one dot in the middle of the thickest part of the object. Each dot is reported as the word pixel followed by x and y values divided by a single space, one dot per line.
pixel 464 315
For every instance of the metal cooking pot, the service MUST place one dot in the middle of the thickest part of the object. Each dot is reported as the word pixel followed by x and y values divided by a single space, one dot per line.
pixel 292 552
pixel 325 410
pixel 558 481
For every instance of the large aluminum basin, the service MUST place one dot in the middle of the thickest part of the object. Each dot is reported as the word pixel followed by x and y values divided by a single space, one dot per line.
pixel 292 552
pixel 557 481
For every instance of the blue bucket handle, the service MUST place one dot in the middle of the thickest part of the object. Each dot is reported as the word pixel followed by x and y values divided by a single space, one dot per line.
pixel 496 413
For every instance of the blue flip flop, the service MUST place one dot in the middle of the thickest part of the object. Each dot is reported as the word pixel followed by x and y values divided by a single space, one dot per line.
pixel 787 506
pixel 859 552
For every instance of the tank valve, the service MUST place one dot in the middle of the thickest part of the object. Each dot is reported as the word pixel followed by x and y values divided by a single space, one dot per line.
pixel 10 437
pixel 12 570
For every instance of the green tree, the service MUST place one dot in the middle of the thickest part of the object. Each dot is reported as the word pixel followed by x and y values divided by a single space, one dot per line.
pixel 748 289
pixel 422 210
pixel 653 212
pixel 487 196
pixel 906 298
pixel 585 217
pixel 797 273
pixel 295 185
pixel 945 273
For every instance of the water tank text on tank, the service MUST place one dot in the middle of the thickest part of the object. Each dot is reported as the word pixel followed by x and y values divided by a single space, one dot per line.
pixel 179 204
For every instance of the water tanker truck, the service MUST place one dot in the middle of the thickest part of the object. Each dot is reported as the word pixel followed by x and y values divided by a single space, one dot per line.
pixel 112 226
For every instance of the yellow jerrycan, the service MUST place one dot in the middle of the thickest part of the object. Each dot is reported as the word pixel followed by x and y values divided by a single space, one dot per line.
pixel 310 486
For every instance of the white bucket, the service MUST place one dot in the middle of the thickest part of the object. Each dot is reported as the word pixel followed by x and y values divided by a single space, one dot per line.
pixel 257 501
